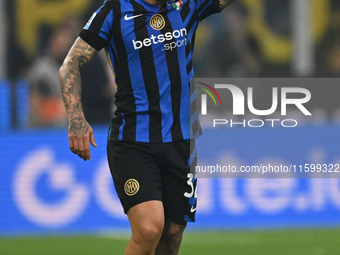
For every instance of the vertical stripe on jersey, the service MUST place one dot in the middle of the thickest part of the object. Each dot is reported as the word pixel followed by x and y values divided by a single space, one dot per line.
pixel 192 24
pixel 109 19
pixel 185 92
pixel 175 80
pixel 163 78
pixel 138 86
pixel 149 74
pixel 127 104
pixel 195 129
pixel 185 10
pixel 189 66
pixel 188 49
pixel 189 58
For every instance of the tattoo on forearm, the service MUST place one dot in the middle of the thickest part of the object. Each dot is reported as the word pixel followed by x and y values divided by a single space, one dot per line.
pixel 70 83
pixel 226 3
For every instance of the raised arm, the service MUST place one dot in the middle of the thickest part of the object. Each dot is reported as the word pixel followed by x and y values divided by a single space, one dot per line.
pixel 80 133
pixel 226 3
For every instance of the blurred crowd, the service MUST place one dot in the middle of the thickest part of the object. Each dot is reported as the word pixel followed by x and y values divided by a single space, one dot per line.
pixel 224 47
pixel 46 106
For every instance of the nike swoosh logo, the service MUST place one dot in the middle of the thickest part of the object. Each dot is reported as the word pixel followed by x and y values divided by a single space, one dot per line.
pixel 131 17
pixel 192 209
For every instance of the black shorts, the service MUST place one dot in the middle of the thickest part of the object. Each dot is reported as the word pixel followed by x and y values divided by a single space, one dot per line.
pixel 155 171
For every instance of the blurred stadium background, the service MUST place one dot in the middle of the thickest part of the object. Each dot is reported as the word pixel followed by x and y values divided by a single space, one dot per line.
pixel 53 203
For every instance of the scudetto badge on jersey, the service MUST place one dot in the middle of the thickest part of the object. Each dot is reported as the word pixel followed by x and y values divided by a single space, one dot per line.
pixel 157 22
pixel 177 5
pixel 131 187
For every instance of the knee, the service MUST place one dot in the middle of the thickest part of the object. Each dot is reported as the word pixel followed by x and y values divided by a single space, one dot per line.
pixel 148 234
pixel 151 232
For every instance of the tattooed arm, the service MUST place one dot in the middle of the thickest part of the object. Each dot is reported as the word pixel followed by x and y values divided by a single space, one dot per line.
pixel 80 133
pixel 226 3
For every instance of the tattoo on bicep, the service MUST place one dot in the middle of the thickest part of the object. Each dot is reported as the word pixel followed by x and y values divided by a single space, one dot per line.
pixel 82 61
pixel 81 53
pixel 226 3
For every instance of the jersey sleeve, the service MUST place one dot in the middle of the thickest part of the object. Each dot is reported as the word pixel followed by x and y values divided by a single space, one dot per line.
pixel 98 30
pixel 206 8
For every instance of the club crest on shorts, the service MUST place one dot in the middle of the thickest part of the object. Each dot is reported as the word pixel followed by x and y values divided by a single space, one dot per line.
pixel 157 22
pixel 131 187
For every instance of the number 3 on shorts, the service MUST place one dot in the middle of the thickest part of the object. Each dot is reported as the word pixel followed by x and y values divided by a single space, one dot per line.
pixel 190 182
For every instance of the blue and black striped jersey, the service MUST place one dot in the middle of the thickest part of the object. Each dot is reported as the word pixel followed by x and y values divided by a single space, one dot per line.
pixel 150 50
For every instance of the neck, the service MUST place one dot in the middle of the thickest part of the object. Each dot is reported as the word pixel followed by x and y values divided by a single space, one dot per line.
pixel 156 2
